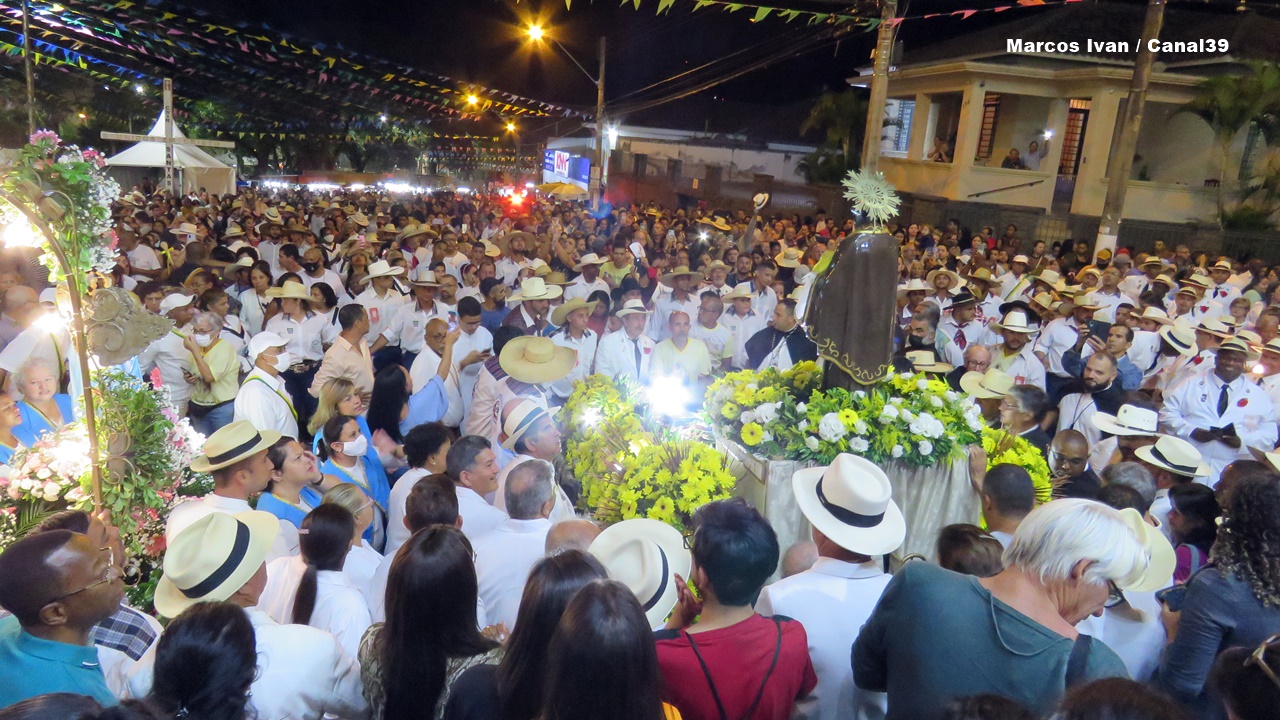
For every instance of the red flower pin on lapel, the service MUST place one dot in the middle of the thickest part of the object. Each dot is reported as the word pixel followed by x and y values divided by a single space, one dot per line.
pixel 1243 402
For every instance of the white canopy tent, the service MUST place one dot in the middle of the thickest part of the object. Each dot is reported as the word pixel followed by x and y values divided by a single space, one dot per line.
pixel 195 167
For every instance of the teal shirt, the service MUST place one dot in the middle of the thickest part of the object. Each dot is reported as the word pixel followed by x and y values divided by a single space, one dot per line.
pixel 31 666
pixel 937 635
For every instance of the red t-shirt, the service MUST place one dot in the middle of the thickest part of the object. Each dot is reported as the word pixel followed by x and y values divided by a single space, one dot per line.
pixel 738 658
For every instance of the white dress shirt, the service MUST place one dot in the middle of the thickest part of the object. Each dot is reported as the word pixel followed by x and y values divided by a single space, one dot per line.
pixel 302 674
pixel 586 349
pixel 381 309
pixel 742 328
pixel 253 312
pixel 397 533
pixel 361 563
pixel 562 510
pixel 408 327
pixel 378 607
pixel 832 600
pixel 581 289
pixel 424 367
pixel 975 333
pixel 659 327
pixel 264 401
pixel 185 514
pixel 1194 404
pixel 170 357
pixel 1059 336
pixel 504 556
pixel 762 302
pixel 478 516
pixel 1025 368
pixel 340 610
pixel 616 356
pixel 333 280
pixel 283 576
pixel 305 338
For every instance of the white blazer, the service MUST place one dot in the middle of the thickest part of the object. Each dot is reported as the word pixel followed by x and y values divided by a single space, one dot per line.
pixel 616 356
pixel 303 674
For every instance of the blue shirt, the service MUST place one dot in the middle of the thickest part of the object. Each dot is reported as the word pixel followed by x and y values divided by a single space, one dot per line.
pixel 35 425
pixel 283 510
pixel 31 666
pixel 427 405
pixel 379 488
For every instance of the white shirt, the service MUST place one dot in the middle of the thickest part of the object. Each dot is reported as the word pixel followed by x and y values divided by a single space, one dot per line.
pixel 361 564
pixel 478 516
pixel 253 312
pixel 504 556
pixel 1075 412
pixel 581 289
pixel 185 514
pixel 742 328
pixel 378 606
pixel 302 674
pixel 143 257
pixel 1058 336
pixel 340 610
pixel 333 280
pixel 263 401
pixel 425 367
pixel 975 333
pixel 397 533
pixel 762 303
pixel 1025 368
pixel 305 339
pixel 508 270
pixel 1194 404
pixel 408 327
pixel 586 349
pixel 283 576
pixel 170 356
pixel 480 418
pixel 832 600
pixel 719 340
pixel 1133 630
pixel 616 356
pixel 116 664
pixel 659 328
pixel 380 308
pixel 480 340
pixel 562 510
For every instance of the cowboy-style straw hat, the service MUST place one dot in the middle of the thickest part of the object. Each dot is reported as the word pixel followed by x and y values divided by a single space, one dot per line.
pixel 1152 261
pixel 1155 314
pixel 1181 336
pixel 491 250
pixel 1129 420
pixel 589 259
pixel 555 278
pixel 636 307
pixel 381 268
pixel 231 444
pixel 992 384
pixel 926 361
pixel 1162 562
pixel 416 230
pixel 788 258
pixel 536 360
pixel 360 219
pixel 682 270
pixel 1014 321
pixel 645 555
pixel 717 223
pixel 213 558
pixel 535 288
pixel 1049 277
pixel 290 290
pixel 186 229
pixel 424 277
pixel 1175 455
pixel 561 313
pixel 981 275
pixel 934 273
pixel 912 285
pixel 233 230
pixel 272 217
pixel 1087 301
pixel 850 501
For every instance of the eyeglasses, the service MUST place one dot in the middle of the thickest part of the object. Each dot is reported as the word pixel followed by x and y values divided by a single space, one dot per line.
pixel 1259 658
pixel 687 536
pixel 1114 595
pixel 107 577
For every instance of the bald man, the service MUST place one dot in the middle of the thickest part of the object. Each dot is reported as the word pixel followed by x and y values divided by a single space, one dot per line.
pixel 1069 461
pixel 680 355
pixel 977 358
pixel 571 535
pixel 427 364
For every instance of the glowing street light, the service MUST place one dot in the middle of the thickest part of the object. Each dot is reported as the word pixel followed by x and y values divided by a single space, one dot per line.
pixel 472 99
pixel 511 127
pixel 536 32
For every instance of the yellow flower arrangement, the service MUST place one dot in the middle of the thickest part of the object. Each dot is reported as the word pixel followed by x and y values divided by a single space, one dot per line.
pixel 1001 448
pixel 765 402
pixel 752 434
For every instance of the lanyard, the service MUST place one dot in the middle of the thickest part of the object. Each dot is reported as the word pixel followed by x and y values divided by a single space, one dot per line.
pixel 52 424
pixel 364 485
pixel 277 392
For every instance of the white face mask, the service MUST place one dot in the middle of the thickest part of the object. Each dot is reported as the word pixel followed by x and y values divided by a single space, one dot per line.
pixel 356 448
pixel 283 361
pixel 202 339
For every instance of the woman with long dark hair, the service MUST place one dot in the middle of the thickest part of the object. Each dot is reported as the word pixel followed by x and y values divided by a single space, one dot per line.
pixel 393 406
pixel 205 662
pixel 602 662
pixel 1193 521
pixel 326 597
pixel 409 663
pixel 513 689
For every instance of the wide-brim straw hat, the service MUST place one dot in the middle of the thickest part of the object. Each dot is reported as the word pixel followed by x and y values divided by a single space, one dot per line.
pixel 645 555
pixel 926 361
pixel 1014 321
pixel 1129 421
pixel 981 275
pixel 1199 281
pixel 290 290
pixel 272 217
pixel 680 271
pixel 505 241
pixel 589 259
pixel 561 313
pixel 381 268
pixel 1175 455
pixel 233 231
pixel 213 558
pixel 992 384
pixel 535 288
pixel 1163 559
pixel 934 273
pixel 741 291
pixel 536 360
pixel 424 277
pixel 231 444
pixel 417 230
pixel 1049 277
pixel 913 285
pixel 1213 326
pixel 789 258
pixel 633 307
pixel 1155 314
pixel 1087 302
pixel 1182 337
pixel 521 420
pixel 851 502
pixel 360 219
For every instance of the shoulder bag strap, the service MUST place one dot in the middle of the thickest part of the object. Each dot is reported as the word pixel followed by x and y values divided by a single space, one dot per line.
pixel 777 652
pixel 1076 664
pixel 707 674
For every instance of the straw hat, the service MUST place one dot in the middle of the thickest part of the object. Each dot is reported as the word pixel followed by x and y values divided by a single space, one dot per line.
pixel 233 231
pixel 520 421
pixel 1162 562
pixel 1087 301
pixel 540 268
pixel 589 259
pixel 681 271
pixel 1240 346
pixel 1152 262
pixel 535 288
pixel 645 555
pixel 926 361
pixel 1050 278
pixel 231 444
pixel 1166 280
pixel 1015 321
pixel 1272 346
pixel 1196 279
pixel 186 229
pixel 1222 265
pixel 912 285
pixel 634 307
pixel 360 219
pixel 717 223
pixel 290 289
pixel 1020 259
pixel 1213 326
pixel 981 275
pixel 491 250
pixel 415 231
pixel 243 263
pixel 992 384
pixel 536 360
pixel 213 558
pixel 388 229
pixel 742 292
pixel 1181 337
pixel 1044 300
pixel 555 278
pixel 1129 421
pixel 1156 315
pixel 561 313
pixel 850 501
pixel 381 268
pixel 934 273
pixel 1175 455
pixel 788 258
pixel 423 277
pixel 272 217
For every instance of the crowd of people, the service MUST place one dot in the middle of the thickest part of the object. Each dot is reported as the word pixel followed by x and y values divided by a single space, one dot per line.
pixel 393 530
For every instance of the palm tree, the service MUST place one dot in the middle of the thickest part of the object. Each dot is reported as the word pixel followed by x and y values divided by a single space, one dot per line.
pixel 842 117
pixel 1230 103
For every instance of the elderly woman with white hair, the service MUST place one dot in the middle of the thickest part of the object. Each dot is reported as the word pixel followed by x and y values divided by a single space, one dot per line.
pixel 213 371
pixel 44 410
pixel 937 635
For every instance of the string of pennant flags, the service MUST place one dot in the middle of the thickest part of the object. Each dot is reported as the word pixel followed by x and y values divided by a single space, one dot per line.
pixel 864 14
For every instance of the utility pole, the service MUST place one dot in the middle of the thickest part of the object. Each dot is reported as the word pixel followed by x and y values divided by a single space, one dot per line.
pixel 597 172
pixel 1120 163
pixel 27 66
pixel 879 88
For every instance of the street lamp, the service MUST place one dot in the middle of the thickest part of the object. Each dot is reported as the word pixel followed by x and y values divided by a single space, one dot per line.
pixel 537 33
pixel 511 127
pixel 472 99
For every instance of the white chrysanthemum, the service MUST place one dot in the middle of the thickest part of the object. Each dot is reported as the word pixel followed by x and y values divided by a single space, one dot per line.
pixel 830 428
pixel 860 427
pixel 768 412
pixel 746 417
pixel 926 447
pixel 889 412
pixel 811 442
